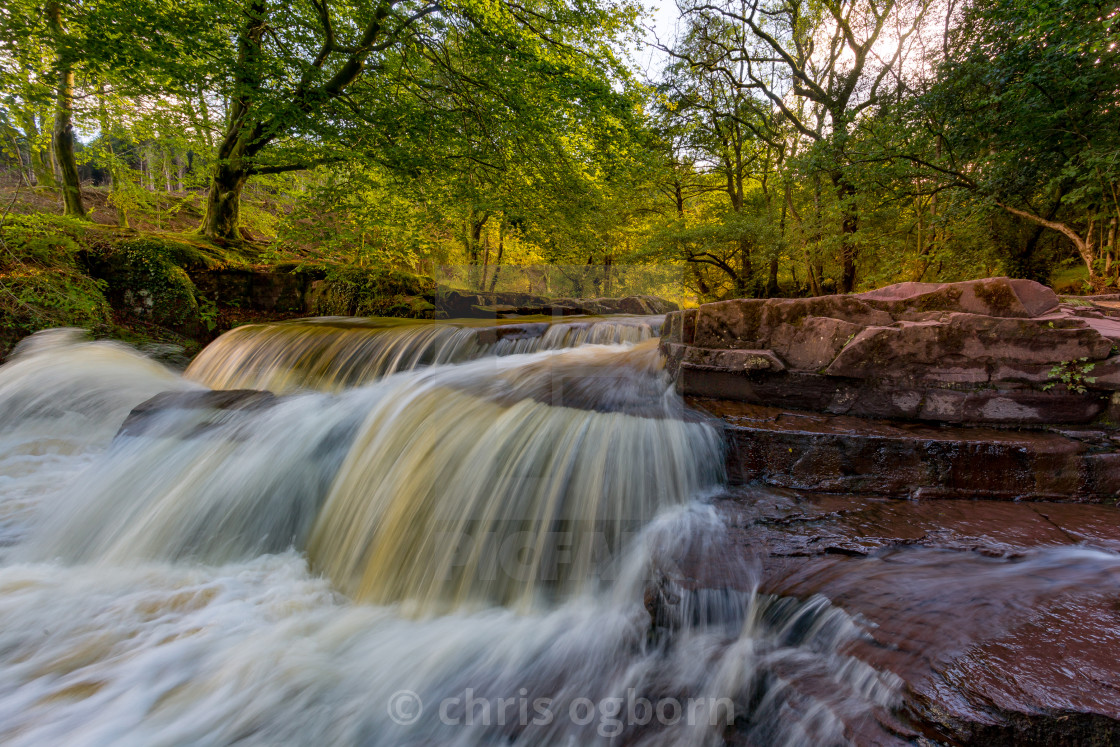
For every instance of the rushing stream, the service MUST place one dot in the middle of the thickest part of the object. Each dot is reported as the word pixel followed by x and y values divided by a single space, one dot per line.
pixel 445 534
pixel 451 534
pixel 450 546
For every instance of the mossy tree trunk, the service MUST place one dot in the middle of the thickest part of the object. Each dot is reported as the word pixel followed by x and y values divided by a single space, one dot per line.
pixel 64 124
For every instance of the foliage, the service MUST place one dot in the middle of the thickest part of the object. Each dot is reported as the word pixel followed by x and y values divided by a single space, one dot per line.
pixel 41 281
pixel 787 147
pixel 1073 375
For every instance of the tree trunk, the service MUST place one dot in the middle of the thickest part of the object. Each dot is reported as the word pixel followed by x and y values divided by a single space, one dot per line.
pixel 223 201
pixel 243 137
pixel 207 128
pixel 64 127
pixel 1084 246
pixel 501 251
pixel 40 159
pixel 845 194
pixel 772 289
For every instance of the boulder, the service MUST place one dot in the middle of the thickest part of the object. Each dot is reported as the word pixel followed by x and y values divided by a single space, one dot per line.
pixel 814 343
pixel 967 341
pixel 986 351
pixel 680 326
pixel 161 415
pixel 998 297
pixel 751 322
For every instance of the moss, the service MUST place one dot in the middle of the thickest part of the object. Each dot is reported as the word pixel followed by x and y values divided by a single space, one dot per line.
pixel 998 297
pixel 146 283
pixel 42 282
pixel 357 291
pixel 412 307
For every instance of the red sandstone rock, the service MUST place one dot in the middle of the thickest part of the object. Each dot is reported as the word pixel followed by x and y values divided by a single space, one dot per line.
pixel 750 323
pixel 999 297
pixel 812 451
pixel 1001 629
pixel 971 341
pixel 956 352
pixel 814 343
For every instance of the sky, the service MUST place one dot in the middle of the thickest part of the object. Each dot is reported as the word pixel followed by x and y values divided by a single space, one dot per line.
pixel 661 25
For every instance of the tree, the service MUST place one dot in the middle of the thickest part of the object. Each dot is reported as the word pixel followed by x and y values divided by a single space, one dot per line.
pixel 298 73
pixel 842 58
pixel 1022 117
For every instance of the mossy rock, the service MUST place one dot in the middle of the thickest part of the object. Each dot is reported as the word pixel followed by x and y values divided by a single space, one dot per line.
pixel 44 284
pixel 146 283
pixel 411 307
pixel 357 291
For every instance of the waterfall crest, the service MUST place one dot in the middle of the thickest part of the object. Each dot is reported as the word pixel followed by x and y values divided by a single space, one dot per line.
pixel 336 353
pixel 509 480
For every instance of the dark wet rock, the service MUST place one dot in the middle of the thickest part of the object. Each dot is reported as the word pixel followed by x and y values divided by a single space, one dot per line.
pixel 260 290
pixel 994 351
pixel 189 414
pixel 1000 619
pixel 731 360
pixel 522 331
pixel 839 453
pixel 466 305
pixel 497 310
pixel 556 308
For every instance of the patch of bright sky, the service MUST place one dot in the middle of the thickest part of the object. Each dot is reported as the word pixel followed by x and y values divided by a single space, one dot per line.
pixel 660 26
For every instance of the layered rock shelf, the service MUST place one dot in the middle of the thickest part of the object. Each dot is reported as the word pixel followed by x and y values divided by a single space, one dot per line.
pixel 982 351
pixel 846 454
pixel 969 361
pixel 998 618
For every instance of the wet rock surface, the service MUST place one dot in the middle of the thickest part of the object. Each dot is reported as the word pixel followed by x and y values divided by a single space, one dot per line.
pixel 995 351
pixel 841 453
pixel 193 414
pixel 1002 620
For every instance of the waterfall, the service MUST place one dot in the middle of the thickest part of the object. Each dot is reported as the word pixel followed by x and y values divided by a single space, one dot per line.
pixel 335 353
pixel 425 552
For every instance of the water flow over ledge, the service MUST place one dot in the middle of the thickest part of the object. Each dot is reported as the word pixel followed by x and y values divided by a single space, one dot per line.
pixel 502 520
pixel 333 353
pixel 495 481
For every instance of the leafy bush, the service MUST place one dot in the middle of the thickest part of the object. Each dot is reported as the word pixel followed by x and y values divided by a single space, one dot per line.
pixel 42 283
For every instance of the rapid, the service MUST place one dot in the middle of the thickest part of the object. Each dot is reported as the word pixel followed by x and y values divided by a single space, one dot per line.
pixel 408 535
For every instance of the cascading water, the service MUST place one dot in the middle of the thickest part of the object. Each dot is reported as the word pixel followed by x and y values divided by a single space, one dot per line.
pixel 453 555
pixel 335 353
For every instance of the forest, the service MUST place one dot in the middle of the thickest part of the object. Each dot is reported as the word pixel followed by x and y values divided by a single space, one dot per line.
pixel 750 148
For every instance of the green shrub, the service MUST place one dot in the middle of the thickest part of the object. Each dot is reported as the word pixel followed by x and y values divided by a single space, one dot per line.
pixel 42 282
